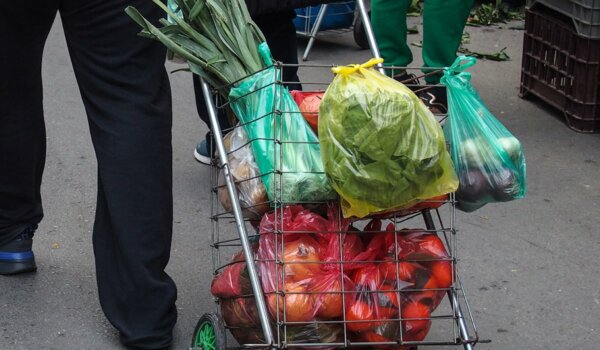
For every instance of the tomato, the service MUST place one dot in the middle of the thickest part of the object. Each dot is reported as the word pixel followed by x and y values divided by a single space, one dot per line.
pixel 367 276
pixel 416 316
pixel 442 272
pixel 388 297
pixel 330 302
pixel 299 306
pixel 360 311
pixel 301 259
pixel 406 271
pixel 433 245
pixel 429 295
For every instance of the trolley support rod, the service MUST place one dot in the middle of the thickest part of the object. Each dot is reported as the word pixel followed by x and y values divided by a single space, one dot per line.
pixel 460 320
pixel 315 30
pixel 364 16
pixel 237 213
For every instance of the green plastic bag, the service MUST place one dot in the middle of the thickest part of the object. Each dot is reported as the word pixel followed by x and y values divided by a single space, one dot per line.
pixel 381 147
pixel 489 160
pixel 284 146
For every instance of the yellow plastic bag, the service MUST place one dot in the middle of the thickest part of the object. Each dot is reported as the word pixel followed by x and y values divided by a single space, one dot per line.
pixel 381 147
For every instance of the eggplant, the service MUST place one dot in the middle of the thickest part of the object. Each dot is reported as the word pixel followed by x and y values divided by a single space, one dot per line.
pixel 505 186
pixel 473 186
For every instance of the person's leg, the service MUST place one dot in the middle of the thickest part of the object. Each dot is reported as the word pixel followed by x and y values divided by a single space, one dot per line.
pixel 443 25
pixel 24 27
pixel 388 18
pixel 280 32
pixel 126 93
pixel 203 151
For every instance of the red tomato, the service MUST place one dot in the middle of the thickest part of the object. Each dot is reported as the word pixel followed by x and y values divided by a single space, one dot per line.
pixel 301 259
pixel 367 276
pixel 387 270
pixel 360 311
pixel 330 303
pixel 388 298
pixel 299 307
pixel 407 271
pixel 442 272
pixel 413 310
pixel 433 245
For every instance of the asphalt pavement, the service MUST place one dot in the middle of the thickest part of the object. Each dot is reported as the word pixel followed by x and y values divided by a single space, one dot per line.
pixel 530 267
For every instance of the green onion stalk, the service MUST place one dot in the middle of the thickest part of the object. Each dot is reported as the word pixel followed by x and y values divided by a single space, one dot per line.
pixel 217 38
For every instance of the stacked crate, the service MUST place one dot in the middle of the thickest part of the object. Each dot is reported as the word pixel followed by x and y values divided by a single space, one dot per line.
pixel 561 59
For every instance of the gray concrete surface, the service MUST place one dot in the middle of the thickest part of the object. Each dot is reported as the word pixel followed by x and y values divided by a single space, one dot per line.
pixel 530 267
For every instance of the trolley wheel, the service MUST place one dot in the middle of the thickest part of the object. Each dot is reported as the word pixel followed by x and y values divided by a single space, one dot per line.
pixel 209 333
pixel 360 36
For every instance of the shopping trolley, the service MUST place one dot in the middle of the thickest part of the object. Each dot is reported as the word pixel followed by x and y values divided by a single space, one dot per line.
pixel 237 230
pixel 333 18
pixel 267 323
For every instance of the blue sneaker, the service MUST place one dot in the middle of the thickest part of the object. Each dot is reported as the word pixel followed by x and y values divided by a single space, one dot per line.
pixel 16 256
pixel 202 154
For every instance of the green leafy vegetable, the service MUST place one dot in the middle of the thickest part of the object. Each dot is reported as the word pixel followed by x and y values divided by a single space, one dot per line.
pixel 218 39
pixel 381 147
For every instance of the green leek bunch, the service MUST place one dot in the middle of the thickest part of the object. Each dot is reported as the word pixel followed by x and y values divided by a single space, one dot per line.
pixel 218 38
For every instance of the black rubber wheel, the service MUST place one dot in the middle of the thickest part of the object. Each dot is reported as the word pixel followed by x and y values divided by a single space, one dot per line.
pixel 360 36
pixel 209 333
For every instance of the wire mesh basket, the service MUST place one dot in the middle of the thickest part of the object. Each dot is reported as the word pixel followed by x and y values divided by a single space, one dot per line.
pixel 329 282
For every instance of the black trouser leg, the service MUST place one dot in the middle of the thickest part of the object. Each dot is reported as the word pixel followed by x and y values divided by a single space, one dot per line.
pixel 23 31
pixel 127 98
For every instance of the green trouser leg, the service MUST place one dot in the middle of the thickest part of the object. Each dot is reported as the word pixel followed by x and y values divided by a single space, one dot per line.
pixel 388 18
pixel 443 25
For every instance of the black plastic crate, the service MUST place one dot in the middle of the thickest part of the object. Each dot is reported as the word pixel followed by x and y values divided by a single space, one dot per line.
pixel 562 68
pixel 584 13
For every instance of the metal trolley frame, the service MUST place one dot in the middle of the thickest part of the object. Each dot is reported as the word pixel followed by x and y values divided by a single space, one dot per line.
pixel 462 332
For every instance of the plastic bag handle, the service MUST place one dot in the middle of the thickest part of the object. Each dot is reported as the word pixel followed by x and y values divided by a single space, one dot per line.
pixel 461 64
pixel 346 70
pixel 265 54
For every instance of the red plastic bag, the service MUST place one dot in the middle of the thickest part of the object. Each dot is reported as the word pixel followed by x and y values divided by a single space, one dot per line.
pixel 301 244
pixel 308 102
pixel 374 302
pixel 330 286
pixel 233 280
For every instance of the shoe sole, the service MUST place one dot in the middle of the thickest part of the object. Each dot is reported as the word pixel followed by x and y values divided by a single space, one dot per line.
pixel 202 159
pixel 16 267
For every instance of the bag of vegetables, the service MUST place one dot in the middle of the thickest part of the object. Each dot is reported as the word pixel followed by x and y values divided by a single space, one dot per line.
pixel 489 160
pixel 382 149
pixel 251 190
pixel 285 148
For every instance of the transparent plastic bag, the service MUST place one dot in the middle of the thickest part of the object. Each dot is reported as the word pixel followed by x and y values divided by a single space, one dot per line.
pixel 488 159
pixel 281 139
pixel 251 190
pixel 382 149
